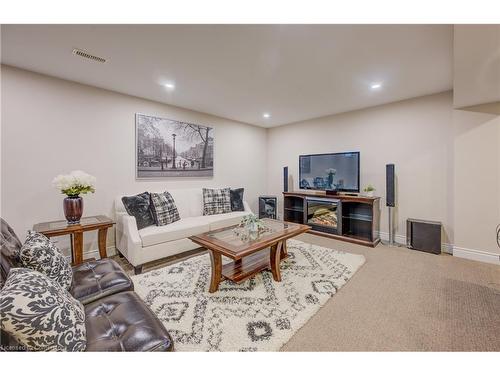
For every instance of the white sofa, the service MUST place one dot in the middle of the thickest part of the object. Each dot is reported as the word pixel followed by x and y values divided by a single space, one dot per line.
pixel 152 243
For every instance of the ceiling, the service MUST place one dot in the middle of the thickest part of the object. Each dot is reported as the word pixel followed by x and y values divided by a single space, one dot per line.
pixel 240 72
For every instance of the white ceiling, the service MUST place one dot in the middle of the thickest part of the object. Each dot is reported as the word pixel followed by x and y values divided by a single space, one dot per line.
pixel 293 72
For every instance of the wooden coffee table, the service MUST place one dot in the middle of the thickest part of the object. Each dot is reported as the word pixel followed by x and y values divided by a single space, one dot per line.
pixel 250 255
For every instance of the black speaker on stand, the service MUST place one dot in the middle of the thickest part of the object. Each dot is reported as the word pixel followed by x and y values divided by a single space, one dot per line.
pixel 285 179
pixel 390 199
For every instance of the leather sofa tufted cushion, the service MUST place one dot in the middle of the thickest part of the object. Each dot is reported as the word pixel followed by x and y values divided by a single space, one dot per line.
pixel 122 322
pixel 97 279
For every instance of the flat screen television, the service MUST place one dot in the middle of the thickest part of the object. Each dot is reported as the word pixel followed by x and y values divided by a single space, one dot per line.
pixel 337 172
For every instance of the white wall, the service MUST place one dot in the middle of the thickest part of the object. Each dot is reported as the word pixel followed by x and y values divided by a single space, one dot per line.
pixel 51 126
pixel 477 184
pixel 476 67
pixel 415 134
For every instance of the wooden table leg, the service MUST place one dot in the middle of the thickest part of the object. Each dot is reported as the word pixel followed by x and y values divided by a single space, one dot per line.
pixel 71 240
pixel 78 247
pixel 102 242
pixel 216 260
pixel 275 260
pixel 284 250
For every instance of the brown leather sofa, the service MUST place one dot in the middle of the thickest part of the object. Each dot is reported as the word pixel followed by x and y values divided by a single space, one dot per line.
pixel 116 318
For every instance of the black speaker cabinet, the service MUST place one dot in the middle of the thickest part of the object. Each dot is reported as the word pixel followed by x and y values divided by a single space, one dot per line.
pixel 285 179
pixel 390 185
pixel 268 206
pixel 423 235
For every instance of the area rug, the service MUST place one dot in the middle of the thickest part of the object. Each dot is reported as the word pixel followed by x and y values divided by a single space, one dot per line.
pixel 256 315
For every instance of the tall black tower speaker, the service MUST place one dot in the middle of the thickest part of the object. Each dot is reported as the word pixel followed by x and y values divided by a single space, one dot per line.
pixel 390 185
pixel 285 179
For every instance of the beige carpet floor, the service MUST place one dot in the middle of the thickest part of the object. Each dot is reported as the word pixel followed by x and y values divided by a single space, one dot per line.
pixel 402 300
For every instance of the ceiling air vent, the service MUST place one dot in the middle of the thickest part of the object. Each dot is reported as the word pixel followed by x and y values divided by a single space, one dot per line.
pixel 86 55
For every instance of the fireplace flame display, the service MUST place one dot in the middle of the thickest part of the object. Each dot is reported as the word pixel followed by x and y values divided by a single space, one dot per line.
pixel 324 216
pixel 323 213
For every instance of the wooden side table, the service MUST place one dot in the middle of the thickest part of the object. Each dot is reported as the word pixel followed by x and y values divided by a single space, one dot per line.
pixel 100 223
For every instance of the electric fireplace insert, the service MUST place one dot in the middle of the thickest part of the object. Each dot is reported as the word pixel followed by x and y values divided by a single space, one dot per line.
pixel 324 214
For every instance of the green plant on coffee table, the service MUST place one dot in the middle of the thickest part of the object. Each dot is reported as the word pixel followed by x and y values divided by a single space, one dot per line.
pixel 252 226
pixel 252 221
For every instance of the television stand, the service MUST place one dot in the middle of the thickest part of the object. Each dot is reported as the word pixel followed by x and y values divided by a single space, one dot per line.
pixel 343 217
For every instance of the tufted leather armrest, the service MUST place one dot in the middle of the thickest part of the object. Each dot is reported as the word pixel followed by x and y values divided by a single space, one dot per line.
pixel 100 278
pixel 122 322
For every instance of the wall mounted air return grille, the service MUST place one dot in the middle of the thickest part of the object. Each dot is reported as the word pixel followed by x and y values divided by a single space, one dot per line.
pixel 86 55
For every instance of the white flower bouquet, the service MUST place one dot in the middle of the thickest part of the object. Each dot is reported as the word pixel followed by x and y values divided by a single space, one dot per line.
pixel 75 183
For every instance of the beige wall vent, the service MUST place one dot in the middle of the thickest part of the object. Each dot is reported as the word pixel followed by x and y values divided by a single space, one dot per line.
pixel 86 55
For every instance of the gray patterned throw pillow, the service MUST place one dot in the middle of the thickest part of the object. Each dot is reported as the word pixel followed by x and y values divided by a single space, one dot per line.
pixel 164 208
pixel 40 254
pixel 216 201
pixel 40 314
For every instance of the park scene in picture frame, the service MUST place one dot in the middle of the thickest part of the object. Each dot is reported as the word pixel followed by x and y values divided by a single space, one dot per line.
pixel 170 148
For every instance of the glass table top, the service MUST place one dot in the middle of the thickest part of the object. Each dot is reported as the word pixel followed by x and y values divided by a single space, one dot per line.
pixel 237 236
pixel 64 224
pixel 86 223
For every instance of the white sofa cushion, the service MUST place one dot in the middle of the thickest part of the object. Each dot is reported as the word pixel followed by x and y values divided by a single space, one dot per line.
pixel 225 220
pixel 183 228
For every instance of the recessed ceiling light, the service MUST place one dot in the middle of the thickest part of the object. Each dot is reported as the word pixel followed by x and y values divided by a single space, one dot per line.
pixel 375 86
pixel 266 115
pixel 170 86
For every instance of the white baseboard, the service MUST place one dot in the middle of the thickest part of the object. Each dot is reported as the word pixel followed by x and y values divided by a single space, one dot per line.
pixel 398 238
pixel 479 255
pixel 94 253
pixel 447 248
pixel 401 239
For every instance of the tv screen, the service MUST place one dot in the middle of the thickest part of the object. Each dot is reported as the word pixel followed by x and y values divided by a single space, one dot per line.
pixel 330 171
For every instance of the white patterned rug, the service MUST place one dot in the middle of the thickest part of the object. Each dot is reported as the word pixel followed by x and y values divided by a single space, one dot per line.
pixel 257 315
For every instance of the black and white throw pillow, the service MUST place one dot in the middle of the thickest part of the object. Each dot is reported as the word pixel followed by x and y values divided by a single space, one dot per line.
pixel 40 314
pixel 216 201
pixel 139 206
pixel 40 254
pixel 237 199
pixel 164 208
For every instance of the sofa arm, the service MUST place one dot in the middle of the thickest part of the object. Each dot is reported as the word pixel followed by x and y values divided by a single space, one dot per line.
pixel 128 240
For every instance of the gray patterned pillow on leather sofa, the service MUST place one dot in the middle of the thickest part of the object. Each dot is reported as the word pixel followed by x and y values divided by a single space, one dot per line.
pixel 40 254
pixel 164 208
pixel 216 201
pixel 40 314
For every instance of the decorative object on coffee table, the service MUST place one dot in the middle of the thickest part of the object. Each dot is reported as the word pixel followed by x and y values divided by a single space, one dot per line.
pixel 250 228
pixel 74 184
pixel 100 223
pixel 250 255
